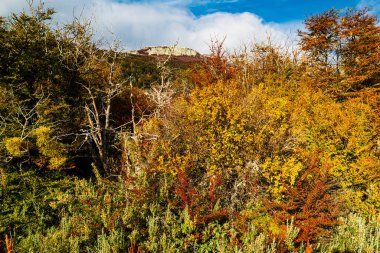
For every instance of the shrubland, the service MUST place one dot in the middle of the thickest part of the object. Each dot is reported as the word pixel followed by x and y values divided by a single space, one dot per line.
pixel 265 150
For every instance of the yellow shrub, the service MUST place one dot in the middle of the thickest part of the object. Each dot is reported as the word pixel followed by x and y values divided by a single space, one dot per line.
pixel 50 149
pixel 15 146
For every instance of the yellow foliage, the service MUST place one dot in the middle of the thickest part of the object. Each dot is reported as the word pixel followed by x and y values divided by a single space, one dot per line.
pixel 15 146
pixel 43 136
pixel 345 133
pixel 57 162
pixel 50 149
pixel 207 130
pixel 219 128
pixel 281 172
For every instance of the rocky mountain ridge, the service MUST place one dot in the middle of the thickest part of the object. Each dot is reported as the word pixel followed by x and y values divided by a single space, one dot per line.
pixel 175 52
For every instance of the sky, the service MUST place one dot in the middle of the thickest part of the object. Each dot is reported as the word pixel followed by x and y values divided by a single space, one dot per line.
pixel 191 23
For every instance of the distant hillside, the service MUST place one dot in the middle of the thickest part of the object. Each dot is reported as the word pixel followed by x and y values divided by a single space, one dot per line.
pixel 141 64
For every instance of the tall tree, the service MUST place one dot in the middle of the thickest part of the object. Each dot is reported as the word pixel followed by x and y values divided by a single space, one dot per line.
pixel 321 38
pixel 361 51
pixel 346 45
pixel 33 82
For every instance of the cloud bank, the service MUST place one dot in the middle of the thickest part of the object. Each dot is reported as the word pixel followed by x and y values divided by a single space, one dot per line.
pixel 150 23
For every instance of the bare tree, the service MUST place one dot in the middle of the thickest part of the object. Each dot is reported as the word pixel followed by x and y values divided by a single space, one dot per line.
pixel 102 80
pixel 161 93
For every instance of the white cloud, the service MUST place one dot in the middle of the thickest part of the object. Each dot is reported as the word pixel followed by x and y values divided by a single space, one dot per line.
pixel 9 6
pixel 164 22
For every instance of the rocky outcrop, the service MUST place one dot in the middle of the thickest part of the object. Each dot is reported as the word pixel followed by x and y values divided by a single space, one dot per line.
pixel 177 54
pixel 168 50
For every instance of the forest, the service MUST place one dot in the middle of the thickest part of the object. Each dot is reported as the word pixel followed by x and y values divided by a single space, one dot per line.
pixel 271 148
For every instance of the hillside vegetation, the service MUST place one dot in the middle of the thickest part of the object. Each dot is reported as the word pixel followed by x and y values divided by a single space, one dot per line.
pixel 270 149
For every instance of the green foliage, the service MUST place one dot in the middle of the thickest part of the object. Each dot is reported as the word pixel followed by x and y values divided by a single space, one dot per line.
pixel 26 196
pixel 37 89
pixel 355 234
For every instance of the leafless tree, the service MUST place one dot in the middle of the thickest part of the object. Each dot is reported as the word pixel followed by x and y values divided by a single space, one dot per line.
pixel 161 93
pixel 102 81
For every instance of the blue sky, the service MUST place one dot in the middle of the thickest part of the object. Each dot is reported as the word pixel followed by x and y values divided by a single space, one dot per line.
pixel 192 23
pixel 272 10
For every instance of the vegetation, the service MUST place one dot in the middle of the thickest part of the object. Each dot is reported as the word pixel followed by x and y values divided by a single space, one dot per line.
pixel 267 150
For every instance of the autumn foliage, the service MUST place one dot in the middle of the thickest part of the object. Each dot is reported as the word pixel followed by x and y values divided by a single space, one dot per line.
pixel 266 150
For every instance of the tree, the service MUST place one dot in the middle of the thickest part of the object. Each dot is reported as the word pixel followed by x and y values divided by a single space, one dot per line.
pixel 345 46
pixel 321 38
pixel 361 49
pixel 34 84
pixel 101 81
pixel 215 67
